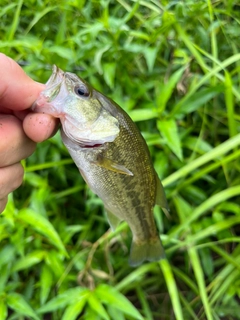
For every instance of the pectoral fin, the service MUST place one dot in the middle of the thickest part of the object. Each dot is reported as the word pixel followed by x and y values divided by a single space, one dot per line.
pixel 161 198
pixel 112 219
pixel 113 166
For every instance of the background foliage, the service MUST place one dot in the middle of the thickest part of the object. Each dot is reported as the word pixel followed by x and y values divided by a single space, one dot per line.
pixel 174 67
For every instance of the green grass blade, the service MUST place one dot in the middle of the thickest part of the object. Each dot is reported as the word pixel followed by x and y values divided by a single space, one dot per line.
pixel 213 37
pixel 169 130
pixel 197 268
pixel 19 304
pixel 172 288
pixel 206 205
pixel 38 16
pixel 233 156
pixel 230 105
pixel 48 165
pixel 145 305
pixel 211 72
pixel 3 309
pixel 15 21
pixel 211 155
pixel 42 225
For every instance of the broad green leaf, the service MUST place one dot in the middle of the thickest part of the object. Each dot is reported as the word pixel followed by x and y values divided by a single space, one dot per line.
pixel 61 52
pixel 198 99
pixel 5 273
pixel 197 144
pixel 134 47
pixel 112 297
pixel 140 35
pixel 109 70
pixel 20 44
pixel 62 300
pixel 3 309
pixel 183 208
pixel 207 261
pixel 136 275
pixel 115 313
pixel 72 311
pixel 62 26
pixel 98 58
pixel 195 193
pixel 55 262
pixel 90 314
pixel 17 303
pixel 165 90
pixel 7 254
pixel 46 281
pixel 150 55
pixel 96 305
pixel 42 225
pixel 142 114
pixel 28 261
pixel 169 131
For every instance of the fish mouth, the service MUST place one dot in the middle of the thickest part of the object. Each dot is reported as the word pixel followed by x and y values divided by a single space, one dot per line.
pixel 59 96
pixel 57 76
pixel 53 87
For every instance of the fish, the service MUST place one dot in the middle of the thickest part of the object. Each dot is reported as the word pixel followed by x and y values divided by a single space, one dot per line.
pixel 112 157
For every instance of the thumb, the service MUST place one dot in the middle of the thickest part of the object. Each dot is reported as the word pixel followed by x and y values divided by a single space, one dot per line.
pixel 17 90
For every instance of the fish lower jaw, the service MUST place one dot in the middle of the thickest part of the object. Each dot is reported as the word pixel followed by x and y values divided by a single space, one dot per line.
pixel 42 106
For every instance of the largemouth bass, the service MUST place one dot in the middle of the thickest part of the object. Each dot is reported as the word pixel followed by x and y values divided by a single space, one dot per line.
pixel 111 155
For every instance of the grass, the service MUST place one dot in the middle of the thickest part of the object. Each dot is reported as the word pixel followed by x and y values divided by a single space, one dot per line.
pixel 174 67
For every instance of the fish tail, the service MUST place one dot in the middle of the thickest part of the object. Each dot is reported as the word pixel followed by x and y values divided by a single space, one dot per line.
pixel 151 250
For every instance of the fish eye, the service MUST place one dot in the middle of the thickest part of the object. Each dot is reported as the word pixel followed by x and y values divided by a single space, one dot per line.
pixel 82 91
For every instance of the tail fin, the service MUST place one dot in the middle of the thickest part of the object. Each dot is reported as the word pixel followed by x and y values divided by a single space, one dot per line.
pixel 151 251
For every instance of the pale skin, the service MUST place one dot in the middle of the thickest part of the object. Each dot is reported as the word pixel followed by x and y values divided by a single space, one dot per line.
pixel 20 129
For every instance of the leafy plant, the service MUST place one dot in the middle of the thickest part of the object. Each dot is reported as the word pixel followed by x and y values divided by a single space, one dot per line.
pixel 174 67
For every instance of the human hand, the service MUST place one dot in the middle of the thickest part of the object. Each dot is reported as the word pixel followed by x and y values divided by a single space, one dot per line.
pixel 20 129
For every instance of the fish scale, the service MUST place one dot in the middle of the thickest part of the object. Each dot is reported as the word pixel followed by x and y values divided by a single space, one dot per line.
pixel 112 157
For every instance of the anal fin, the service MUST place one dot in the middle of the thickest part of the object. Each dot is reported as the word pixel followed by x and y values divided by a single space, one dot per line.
pixel 112 219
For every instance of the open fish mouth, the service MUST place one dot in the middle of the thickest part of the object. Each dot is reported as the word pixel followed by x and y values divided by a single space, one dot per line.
pixel 83 119
pixel 50 93
pixel 57 76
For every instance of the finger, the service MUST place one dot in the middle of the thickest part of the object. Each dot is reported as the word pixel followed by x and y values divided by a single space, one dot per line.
pixel 11 178
pixel 17 90
pixel 14 144
pixel 3 203
pixel 40 127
